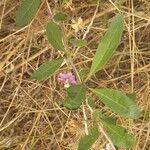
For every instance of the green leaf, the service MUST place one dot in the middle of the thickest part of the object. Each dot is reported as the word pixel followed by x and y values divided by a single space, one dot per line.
pixel 59 16
pixel 88 140
pixel 26 12
pixel 55 36
pixel 132 96
pixel 97 115
pixel 118 102
pixel 75 97
pixel 118 134
pixel 78 42
pixel 83 73
pixel 108 45
pixel 91 103
pixel 47 69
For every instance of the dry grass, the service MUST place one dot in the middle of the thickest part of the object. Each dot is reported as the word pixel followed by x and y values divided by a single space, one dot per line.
pixel 32 115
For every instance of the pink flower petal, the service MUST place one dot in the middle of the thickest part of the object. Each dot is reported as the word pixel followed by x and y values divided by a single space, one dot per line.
pixel 62 76
pixel 67 78
pixel 68 75
pixel 73 82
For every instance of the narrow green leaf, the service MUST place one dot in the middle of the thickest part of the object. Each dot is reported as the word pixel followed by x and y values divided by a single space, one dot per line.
pixel 97 115
pixel 59 16
pixel 117 134
pixel 88 140
pixel 91 103
pixel 132 96
pixel 75 97
pixel 26 12
pixel 78 42
pixel 55 36
pixel 108 45
pixel 47 69
pixel 83 73
pixel 118 102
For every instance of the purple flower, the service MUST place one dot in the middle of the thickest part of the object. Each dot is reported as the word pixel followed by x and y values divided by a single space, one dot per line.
pixel 67 79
